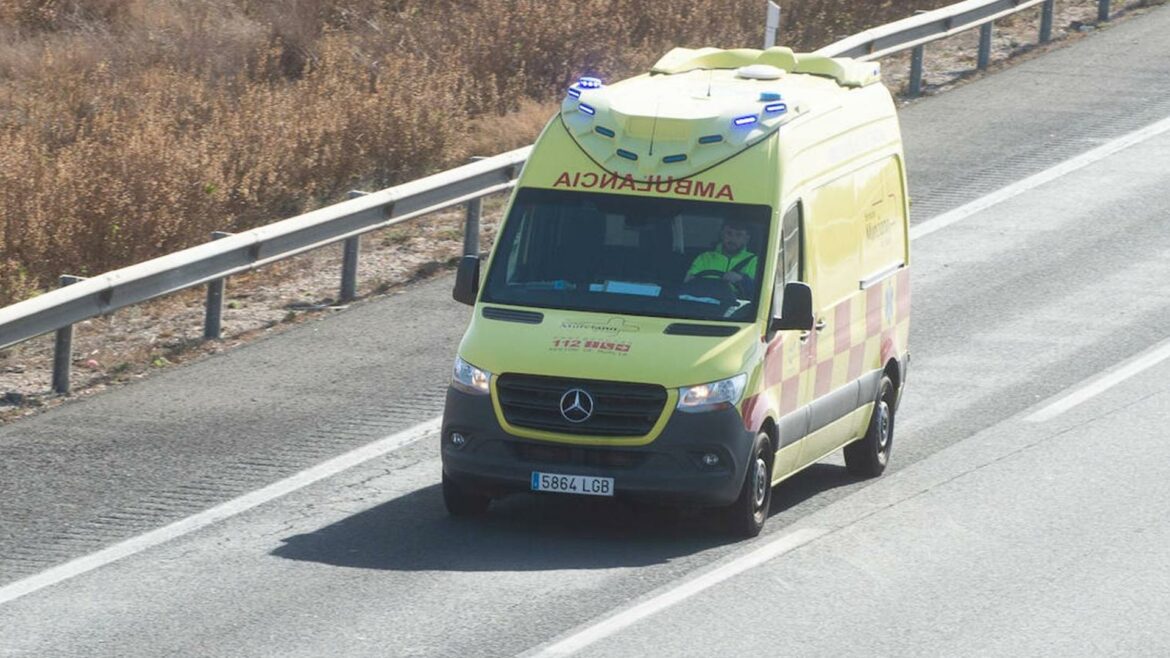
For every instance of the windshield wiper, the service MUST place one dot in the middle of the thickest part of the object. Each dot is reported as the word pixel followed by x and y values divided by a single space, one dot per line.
pixel 557 284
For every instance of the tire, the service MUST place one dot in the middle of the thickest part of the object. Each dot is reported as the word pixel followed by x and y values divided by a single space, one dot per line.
pixel 868 456
pixel 460 501
pixel 746 516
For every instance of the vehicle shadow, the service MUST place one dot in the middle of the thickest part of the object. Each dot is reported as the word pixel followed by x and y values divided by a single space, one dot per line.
pixel 533 532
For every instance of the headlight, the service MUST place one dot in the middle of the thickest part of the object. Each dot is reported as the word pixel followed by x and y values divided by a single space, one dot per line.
pixel 470 379
pixel 712 396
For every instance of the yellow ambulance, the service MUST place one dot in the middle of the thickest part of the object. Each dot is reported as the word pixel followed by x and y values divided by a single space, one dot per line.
pixel 701 287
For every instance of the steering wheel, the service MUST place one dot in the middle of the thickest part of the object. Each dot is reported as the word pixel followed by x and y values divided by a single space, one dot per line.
pixel 737 289
pixel 707 286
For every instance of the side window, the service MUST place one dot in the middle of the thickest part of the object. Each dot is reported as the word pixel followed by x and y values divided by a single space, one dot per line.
pixel 790 256
pixel 788 264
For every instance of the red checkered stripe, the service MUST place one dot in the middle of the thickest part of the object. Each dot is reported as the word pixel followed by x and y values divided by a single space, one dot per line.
pixel 862 333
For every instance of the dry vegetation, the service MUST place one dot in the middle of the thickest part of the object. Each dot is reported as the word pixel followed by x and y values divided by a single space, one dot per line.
pixel 132 128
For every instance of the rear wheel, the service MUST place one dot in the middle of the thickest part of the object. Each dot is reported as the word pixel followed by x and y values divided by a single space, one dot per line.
pixel 460 501
pixel 746 516
pixel 868 456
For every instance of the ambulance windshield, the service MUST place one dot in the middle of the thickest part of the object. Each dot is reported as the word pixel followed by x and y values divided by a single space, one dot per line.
pixel 633 255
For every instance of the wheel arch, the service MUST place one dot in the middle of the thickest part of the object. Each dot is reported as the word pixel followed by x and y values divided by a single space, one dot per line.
pixel 894 372
pixel 770 428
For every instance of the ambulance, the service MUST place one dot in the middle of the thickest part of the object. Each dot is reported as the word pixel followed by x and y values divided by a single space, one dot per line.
pixel 701 287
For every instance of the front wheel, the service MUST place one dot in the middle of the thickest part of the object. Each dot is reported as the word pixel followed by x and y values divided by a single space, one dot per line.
pixel 746 516
pixel 460 501
pixel 868 456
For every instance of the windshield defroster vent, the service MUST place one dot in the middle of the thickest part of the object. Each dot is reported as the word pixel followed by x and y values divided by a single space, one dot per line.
pixel 684 329
pixel 509 315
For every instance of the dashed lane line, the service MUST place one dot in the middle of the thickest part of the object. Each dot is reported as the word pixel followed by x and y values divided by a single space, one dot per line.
pixel 655 603
pixel 1081 161
pixel 1104 382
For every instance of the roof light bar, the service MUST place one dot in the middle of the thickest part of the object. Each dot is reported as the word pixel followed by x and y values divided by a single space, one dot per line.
pixel 745 120
pixel 627 154
pixel 589 83
pixel 769 96
pixel 587 109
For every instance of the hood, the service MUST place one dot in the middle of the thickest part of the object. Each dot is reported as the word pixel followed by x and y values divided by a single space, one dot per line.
pixel 607 347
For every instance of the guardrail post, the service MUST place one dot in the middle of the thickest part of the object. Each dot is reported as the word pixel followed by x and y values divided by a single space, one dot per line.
pixel 1103 11
pixel 349 261
pixel 916 62
pixel 984 46
pixel 1046 16
pixel 213 315
pixel 471 228
pixel 471 225
pixel 63 347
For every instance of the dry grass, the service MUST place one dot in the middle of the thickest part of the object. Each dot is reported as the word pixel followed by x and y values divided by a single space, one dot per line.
pixel 132 128
pixel 161 121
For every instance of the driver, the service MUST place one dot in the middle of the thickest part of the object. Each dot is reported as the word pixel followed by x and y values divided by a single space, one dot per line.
pixel 729 261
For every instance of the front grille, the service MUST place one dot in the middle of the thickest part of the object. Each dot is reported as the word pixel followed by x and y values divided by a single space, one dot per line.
pixel 619 409
pixel 544 454
pixel 578 456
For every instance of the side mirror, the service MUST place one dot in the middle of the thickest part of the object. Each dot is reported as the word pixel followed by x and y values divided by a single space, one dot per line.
pixel 467 280
pixel 797 310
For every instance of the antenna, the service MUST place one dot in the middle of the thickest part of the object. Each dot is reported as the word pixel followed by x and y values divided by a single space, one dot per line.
pixel 710 74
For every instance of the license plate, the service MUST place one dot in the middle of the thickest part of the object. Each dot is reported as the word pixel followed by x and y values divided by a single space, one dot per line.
pixel 585 485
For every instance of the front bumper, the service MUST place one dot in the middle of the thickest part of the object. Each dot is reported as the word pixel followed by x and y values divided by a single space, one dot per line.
pixel 669 469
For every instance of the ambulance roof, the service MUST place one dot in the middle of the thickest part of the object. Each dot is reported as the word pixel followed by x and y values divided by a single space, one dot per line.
pixel 698 107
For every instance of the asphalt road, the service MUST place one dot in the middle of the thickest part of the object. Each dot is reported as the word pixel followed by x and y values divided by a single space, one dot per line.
pixel 1028 539
pixel 1011 307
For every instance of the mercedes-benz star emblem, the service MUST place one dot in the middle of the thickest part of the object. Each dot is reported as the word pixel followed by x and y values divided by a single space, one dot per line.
pixel 576 405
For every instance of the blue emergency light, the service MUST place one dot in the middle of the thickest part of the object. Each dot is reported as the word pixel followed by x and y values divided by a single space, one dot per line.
pixel 745 120
pixel 776 108
pixel 587 109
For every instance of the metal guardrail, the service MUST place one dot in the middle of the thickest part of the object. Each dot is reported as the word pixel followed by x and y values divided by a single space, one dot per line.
pixel 81 299
pixel 915 32
pixel 926 27
pixel 232 254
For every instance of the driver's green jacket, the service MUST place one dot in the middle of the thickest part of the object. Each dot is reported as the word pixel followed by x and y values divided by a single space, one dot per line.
pixel 716 260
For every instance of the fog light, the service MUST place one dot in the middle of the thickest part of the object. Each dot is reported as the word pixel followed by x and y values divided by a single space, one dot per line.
pixel 458 440
pixel 710 459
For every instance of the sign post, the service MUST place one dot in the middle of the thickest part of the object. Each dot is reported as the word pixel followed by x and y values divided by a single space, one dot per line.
pixel 771 24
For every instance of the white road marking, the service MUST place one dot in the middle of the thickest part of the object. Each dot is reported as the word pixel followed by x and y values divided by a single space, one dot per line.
pixel 1099 385
pixel 771 549
pixel 1081 161
pixel 218 513
pixel 386 445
